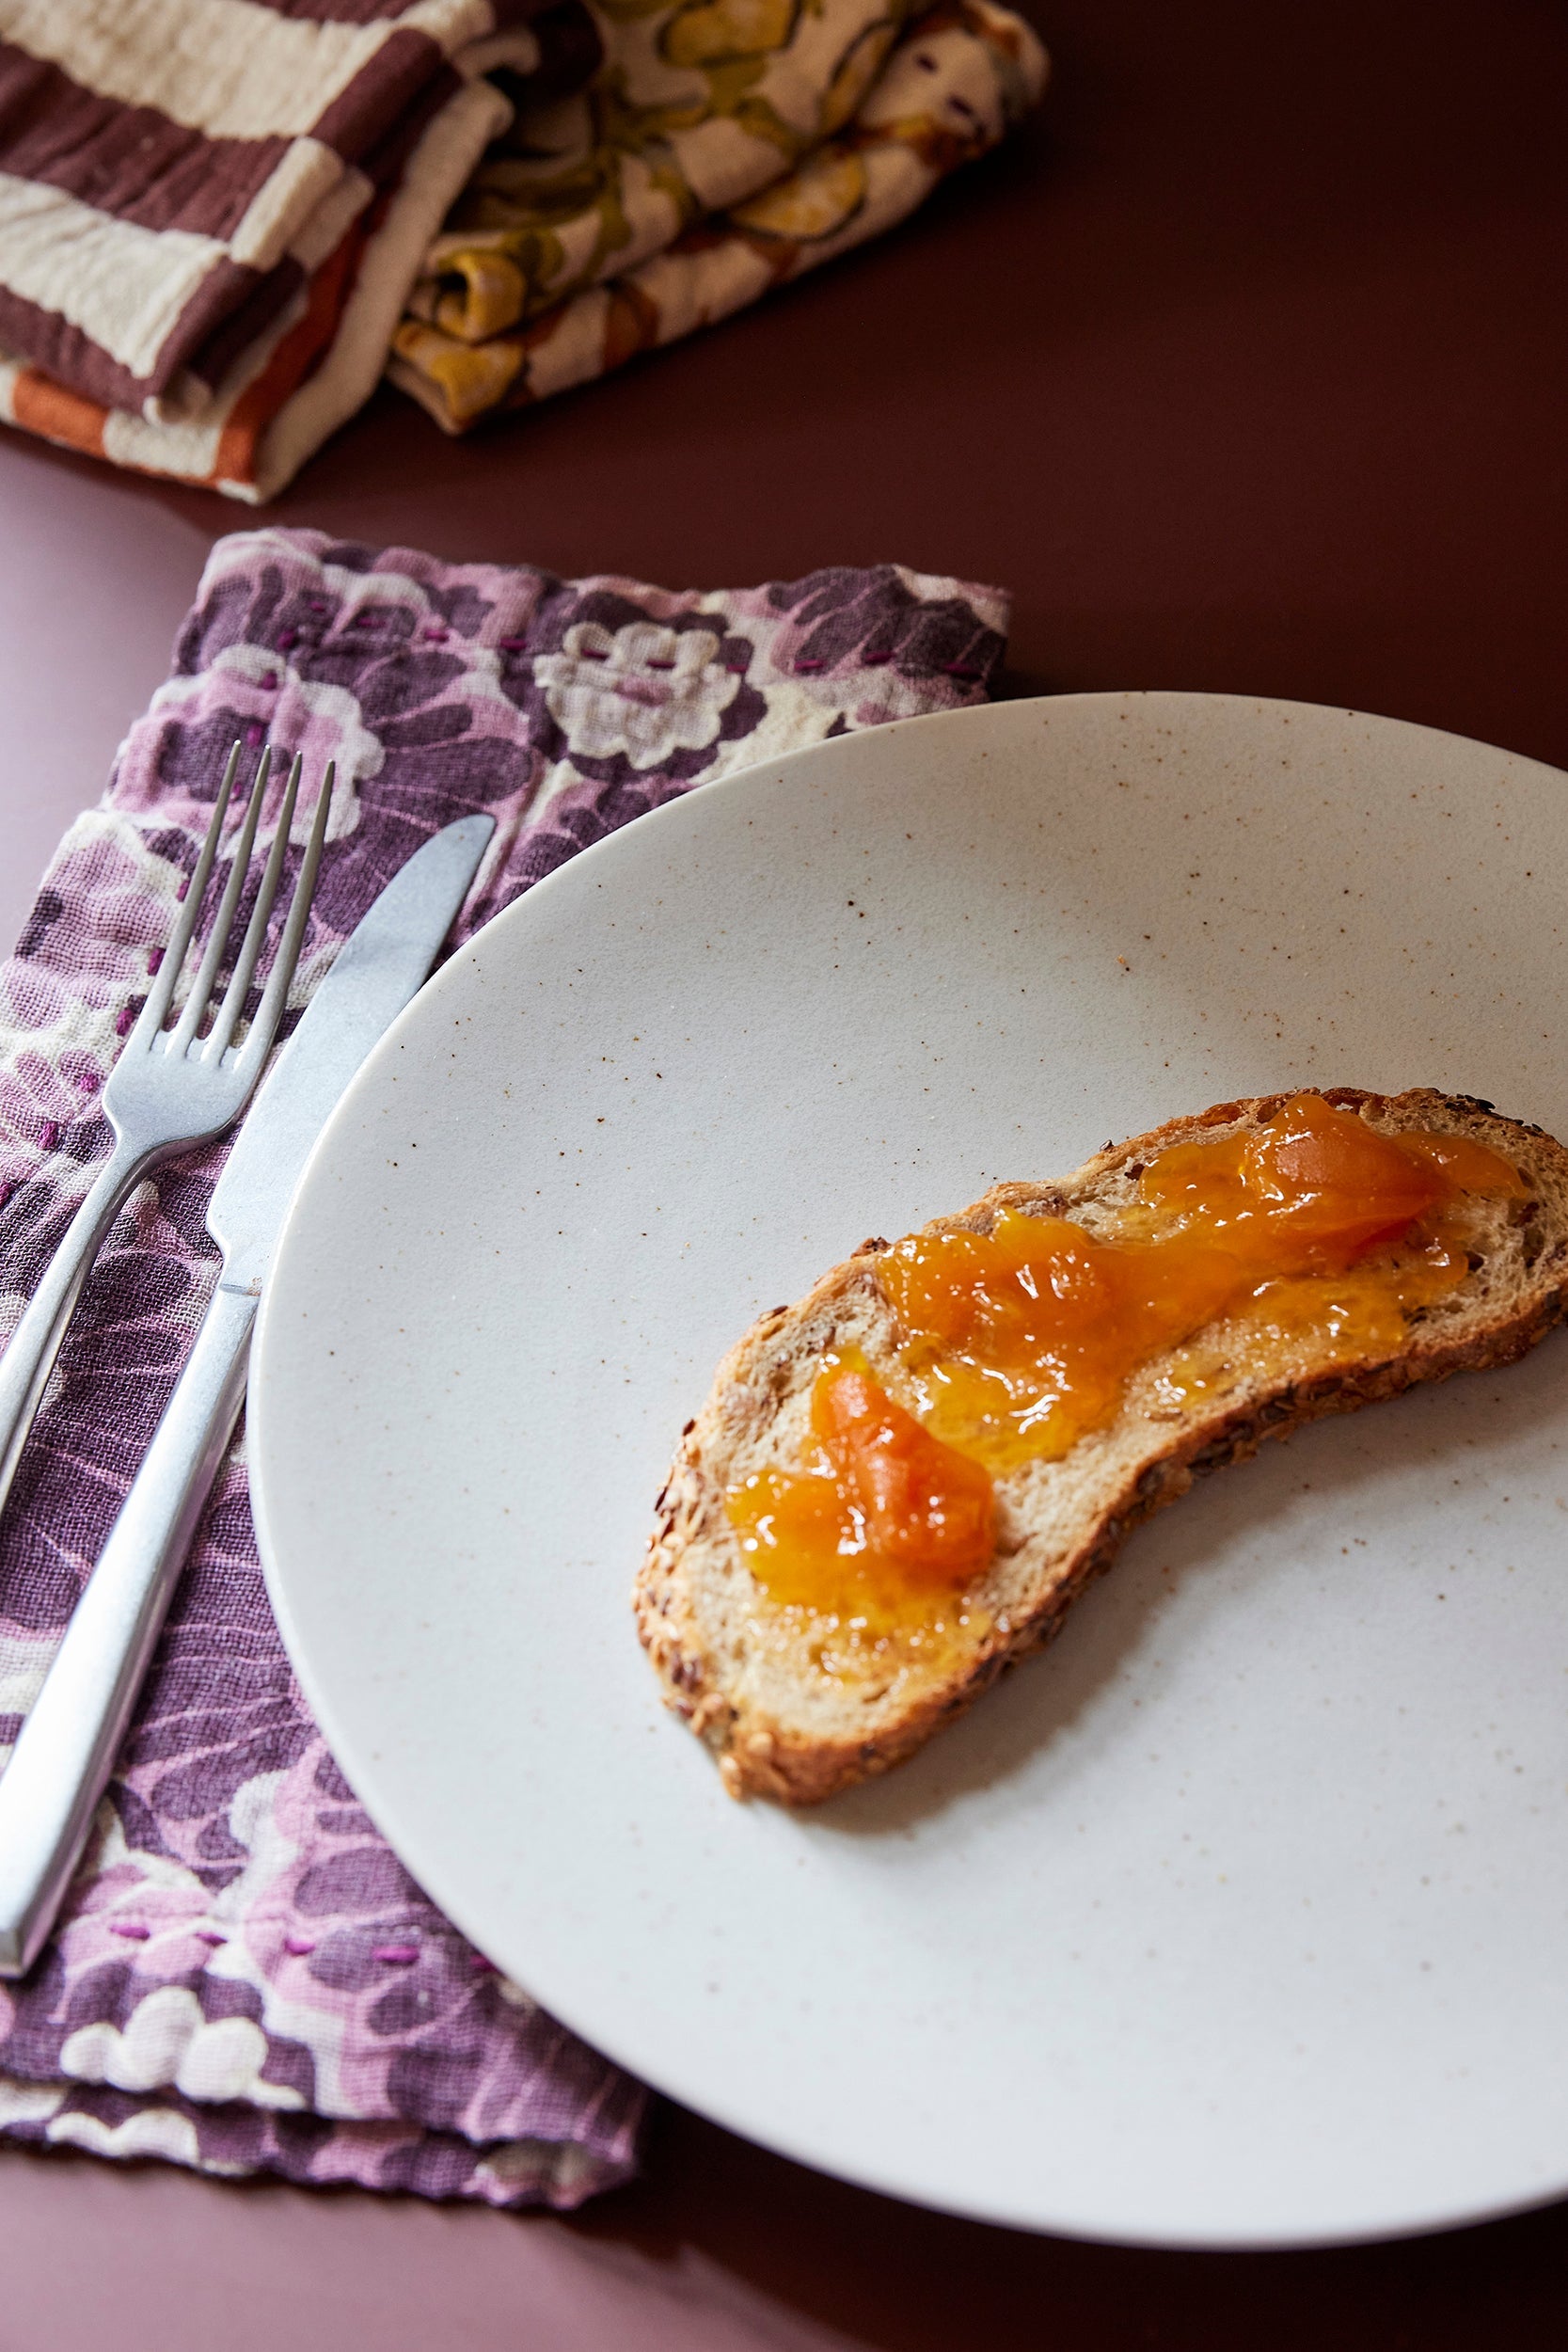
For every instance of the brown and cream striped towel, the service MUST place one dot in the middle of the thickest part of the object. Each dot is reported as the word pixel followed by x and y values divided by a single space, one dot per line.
pixel 210 210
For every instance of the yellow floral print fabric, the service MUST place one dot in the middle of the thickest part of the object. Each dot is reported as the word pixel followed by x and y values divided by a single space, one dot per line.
pixel 724 147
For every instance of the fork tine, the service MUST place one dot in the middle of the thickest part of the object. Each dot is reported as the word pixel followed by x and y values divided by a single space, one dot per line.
pixel 270 1011
pixel 151 1019
pixel 256 931
pixel 218 939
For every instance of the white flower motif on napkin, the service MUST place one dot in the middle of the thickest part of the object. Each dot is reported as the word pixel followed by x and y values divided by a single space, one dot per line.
pixel 30 2103
pixel 167 2040
pixel 642 691
pixel 146 2132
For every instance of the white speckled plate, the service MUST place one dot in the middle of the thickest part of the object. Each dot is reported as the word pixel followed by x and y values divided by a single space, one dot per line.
pixel 1242 1916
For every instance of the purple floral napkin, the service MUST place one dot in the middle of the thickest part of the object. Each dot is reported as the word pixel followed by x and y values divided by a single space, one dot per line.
pixel 245 1978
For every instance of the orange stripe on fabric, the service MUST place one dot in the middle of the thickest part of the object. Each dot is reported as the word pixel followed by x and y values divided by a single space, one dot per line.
pixel 294 359
pixel 42 406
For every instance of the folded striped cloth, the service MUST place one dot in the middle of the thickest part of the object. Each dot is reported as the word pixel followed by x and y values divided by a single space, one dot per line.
pixel 244 1978
pixel 221 219
pixel 212 211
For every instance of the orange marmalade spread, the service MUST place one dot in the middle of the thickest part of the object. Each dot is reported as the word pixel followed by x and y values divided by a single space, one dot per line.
pixel 1307 1240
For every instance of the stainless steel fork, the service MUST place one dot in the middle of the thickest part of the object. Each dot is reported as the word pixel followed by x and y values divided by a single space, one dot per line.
pixel 166 1093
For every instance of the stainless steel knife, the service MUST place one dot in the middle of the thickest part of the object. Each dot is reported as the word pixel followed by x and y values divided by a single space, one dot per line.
pixel 61 1762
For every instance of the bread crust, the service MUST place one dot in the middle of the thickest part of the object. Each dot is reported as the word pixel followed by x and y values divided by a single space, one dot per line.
pixel 761 1751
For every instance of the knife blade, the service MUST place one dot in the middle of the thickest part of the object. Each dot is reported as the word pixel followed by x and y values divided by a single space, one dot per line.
pixel 374 974
pixel 62 1759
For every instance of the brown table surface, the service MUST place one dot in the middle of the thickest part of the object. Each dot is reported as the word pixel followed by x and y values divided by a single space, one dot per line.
pixel 1244 368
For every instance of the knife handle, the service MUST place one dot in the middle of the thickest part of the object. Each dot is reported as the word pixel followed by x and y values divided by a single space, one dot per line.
pixel 60 1765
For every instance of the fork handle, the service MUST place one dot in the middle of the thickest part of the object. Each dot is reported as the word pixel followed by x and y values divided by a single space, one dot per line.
pixel 29 1357
pixel 61 1762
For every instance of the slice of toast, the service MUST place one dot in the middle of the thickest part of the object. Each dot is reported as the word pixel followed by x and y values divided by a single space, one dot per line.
pixel 792 1719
